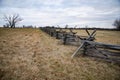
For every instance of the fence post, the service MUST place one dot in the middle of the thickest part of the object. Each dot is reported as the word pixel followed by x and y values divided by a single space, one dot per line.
pixel 56 34
pixel 85 48
pixel 65 39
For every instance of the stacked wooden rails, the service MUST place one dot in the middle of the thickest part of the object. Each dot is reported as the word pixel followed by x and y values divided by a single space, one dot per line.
pixel 107 52
pixel 67 37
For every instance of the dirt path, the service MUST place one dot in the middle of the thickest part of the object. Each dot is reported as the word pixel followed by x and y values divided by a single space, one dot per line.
pixel 30 54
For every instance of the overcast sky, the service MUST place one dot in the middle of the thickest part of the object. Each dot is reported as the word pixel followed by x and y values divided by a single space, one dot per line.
pixel 94 13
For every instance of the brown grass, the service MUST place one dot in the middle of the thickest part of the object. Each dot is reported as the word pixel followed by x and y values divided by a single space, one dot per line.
pixel 30 54
pixel 109 37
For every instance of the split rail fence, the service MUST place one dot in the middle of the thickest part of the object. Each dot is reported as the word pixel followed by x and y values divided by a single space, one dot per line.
pixel 87 45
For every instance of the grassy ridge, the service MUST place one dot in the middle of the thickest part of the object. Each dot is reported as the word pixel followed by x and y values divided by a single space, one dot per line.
pixel 30 54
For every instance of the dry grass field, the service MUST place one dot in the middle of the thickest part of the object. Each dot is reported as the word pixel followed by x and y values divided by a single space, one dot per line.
pixel 30 54
pixel 109 37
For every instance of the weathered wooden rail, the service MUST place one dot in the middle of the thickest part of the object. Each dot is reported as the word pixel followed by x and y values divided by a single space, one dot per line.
pixel 107 52
pixel 68 37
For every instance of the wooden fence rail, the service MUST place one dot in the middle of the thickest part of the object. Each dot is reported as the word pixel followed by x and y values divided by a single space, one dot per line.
pixel 107 52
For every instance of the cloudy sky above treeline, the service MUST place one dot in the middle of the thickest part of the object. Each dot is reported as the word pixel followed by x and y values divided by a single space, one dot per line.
pixel 91 13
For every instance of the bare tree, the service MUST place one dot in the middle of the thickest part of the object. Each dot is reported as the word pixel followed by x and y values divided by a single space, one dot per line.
pixel 117 23
pixel 12 20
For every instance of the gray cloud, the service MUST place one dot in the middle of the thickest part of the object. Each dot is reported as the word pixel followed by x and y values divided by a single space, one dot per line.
pixel 97 13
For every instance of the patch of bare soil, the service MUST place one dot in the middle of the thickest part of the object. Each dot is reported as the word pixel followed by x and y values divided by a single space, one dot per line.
pixel 30 54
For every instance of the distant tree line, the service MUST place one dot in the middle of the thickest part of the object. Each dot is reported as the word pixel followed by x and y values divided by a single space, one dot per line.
pixel 12 20
pixel 81 28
